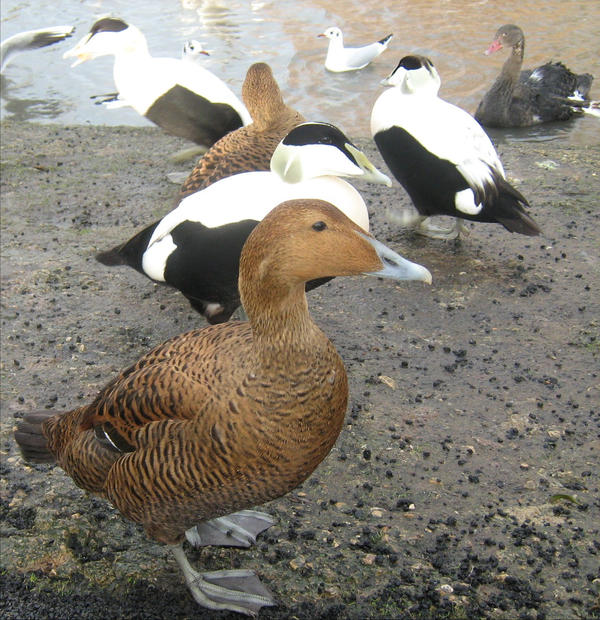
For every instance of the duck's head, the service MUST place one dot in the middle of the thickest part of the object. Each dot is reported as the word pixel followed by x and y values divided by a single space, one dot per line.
pixel 508 35
pixel 308 239
pixel 320 149
pixel 414 75
pixel 109 35
pixel 192 49
pixel 332 33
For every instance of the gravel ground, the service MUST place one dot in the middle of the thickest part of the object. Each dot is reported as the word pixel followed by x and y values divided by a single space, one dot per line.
pixel 465 483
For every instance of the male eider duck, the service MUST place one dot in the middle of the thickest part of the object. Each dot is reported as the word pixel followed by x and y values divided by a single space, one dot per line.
pixel 31 40
pixel 340 58
pixel 182 97
pixel 218 420
pixel 518 98
pixel 248 148
pixel 196 247
pixel 441 155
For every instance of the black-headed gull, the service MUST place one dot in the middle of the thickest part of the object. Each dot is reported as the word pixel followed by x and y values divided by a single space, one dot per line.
pixel 442 156
pixel 192 50
pixel 340 58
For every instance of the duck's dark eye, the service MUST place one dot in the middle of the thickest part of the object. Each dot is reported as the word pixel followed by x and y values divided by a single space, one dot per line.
pixel 319 226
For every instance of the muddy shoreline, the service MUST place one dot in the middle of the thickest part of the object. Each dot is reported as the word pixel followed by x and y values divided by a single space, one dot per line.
pixel 465 482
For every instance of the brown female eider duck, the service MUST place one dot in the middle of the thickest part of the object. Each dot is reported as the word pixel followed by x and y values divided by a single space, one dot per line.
pixel 248 148
pixel 221 419
pixel 179 96
pixel 518 98
pixel 441 156
pixel 196 247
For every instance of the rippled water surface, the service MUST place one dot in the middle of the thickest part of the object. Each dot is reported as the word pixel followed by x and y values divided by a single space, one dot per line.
pixel 41 86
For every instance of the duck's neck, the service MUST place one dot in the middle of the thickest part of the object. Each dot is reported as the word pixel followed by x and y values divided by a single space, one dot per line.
pixel 263 113
pixel 133 50
pixel 335 44
pixel 281 325
pixel 498 100
pixel 512 66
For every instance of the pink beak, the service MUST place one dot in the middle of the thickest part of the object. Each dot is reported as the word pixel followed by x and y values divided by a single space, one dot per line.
pixel 494 47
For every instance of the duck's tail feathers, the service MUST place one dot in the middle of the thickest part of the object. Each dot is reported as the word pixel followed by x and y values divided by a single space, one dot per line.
pixel 519 222
pixel 385 40
pixel 509 210
pixel 31 439
pixel 514 218
pixel 129 253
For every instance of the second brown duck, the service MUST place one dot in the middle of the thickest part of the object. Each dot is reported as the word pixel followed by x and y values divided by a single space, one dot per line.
pixel 248 148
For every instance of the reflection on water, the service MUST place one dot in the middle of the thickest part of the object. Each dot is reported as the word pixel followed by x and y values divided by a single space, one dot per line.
pixel 453 33
pixel 542 133
pixel 28 109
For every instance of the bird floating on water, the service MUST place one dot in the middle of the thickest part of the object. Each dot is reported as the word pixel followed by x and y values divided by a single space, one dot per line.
pixel 218 420
pixel 31 40
pixel 192 50
pixel 518 98
pixel 196 247
pixel 340 58
pixel 442 156
pixel 182 97
pixel 248 148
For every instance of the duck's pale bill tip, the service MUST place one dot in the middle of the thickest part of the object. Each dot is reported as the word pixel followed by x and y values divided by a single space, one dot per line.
pixel 369 171
pixel 376 176
pixel 395 266
pixel 75 53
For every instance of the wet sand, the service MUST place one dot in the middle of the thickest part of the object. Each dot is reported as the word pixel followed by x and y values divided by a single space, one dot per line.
pixel 465 482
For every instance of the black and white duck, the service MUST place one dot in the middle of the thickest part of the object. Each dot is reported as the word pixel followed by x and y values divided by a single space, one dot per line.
pixel 442 156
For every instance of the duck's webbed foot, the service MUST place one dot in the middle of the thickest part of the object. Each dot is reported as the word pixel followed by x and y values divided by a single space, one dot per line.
pixel 236 590
pixel 422 225
pixel 427 229
pixel 239 529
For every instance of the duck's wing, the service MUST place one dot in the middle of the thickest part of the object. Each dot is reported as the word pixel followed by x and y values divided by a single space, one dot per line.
pixel 176 381
pixel 238 151
pixel 452 134
pixel 361 56
pixel 478 161
pixel 202 81
pixel 32 39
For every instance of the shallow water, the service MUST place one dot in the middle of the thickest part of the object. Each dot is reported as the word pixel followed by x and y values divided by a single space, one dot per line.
pixel 41 86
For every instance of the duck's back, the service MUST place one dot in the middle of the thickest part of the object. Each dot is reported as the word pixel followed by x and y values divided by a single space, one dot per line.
pixel 444 130
pixel 183 98
pixel 244 150
pixel 555 79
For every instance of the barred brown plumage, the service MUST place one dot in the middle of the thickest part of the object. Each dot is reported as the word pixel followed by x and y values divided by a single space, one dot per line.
pixel 217 420
pixel 247 148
